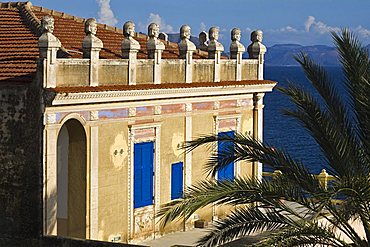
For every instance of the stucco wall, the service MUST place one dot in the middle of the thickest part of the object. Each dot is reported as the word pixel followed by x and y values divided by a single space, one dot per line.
pixel 228 70
pixel 74 73
pixel 202 125
pixel 249 71
pixel 172 71
pixel 172 135
pixel 246 127
pixel 144 72
pixel 203 70
pixel 113 73
pixel 113 180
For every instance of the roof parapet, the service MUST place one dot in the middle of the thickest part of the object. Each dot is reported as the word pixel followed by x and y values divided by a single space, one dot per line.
pixel 154 70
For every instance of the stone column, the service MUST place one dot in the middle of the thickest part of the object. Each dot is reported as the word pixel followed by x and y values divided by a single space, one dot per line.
pixel 50 174
pixel 94 175
pixel 257 50
pixel 257 129
pixel 236 51
pixel 130 48
pixel 49 46
pixel 91 47
pixel 186 50
pixel 155 48
pixel 215 49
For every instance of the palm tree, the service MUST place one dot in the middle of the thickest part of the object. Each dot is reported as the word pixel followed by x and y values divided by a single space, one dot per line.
pixel 295 208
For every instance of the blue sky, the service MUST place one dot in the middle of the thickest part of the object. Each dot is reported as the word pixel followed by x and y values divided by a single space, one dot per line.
pixel 305 22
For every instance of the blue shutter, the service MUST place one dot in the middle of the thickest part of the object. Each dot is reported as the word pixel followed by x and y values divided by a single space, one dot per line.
pixel 228 171
pixel 176 180
pixel 143 174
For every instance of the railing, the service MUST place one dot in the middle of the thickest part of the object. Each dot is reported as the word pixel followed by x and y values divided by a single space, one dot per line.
pixel 323 176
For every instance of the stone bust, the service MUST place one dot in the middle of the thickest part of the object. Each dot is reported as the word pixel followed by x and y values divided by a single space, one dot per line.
pixel 213 33
pixel 47 24
pixel 203 38
pixel 129 29
pixel 185 43
pixel 129 44
pixel 154 43
pixel 129 32
pixel 47 38
pixel 257 36
pixel 213 44
pixel 235 45
pixel 236 34
pixel 91 41
pixel 91 26
pixel 153 30
pixel 256 49
pixel 185 32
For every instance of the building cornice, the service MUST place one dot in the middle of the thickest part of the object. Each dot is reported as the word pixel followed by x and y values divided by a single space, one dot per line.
pixel 156 94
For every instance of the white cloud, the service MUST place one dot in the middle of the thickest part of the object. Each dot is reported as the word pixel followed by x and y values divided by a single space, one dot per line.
pixel 163 26
pixel 362 32
pixel 308 23
pixel 318 26
pixel 105 13
pixel 288 29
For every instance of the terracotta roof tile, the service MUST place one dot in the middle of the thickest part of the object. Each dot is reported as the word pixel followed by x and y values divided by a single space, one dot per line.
pixel 18 48
pixel 158 86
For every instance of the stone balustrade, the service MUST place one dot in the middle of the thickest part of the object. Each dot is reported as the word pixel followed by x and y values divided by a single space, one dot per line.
pixel 323 177
pixel 92 71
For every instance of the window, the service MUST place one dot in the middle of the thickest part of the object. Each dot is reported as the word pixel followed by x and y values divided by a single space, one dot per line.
pixel 228 171
pixel 176 180
pixel 143 174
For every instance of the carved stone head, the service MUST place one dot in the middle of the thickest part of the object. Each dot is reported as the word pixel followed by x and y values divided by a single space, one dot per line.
pixel 213 33
pixel 129 29
pixel 47 24
pixel 235 34
pixel 90 26
pixel 203 37
pixel 257 36
pixel 185 32
pixel 153 30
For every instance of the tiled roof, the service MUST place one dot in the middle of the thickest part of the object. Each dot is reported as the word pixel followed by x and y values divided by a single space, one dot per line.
pixel 159 86
pixel 19 40
pixel 18 48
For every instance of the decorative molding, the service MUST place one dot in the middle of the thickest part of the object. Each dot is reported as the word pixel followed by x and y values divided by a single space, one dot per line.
pixel 216 105
pixel 94 115
pixel 157 110
pixel 51 118
pixel 188 107
pixel 238 103
pixel 132 112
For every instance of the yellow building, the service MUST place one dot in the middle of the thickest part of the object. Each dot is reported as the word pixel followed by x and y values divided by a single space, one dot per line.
pixel 116 106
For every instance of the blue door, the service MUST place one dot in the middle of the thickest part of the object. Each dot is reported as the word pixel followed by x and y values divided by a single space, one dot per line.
pixel 228 171
pixel 176 180
pixel 143 174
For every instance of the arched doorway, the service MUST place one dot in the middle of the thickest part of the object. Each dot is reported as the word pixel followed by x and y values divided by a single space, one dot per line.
pixel 71 180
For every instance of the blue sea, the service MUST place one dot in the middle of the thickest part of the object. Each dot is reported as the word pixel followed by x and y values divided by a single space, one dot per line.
pixel 285 132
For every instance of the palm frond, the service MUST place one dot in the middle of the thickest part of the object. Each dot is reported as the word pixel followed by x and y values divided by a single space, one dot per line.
pixel 245 221
pixel 302 235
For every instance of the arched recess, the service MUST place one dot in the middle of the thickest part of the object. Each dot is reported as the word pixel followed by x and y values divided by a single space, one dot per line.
pixel 71 180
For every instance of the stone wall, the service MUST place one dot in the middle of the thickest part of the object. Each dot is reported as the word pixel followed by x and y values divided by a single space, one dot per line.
pixel 51 241
pixel 20 161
